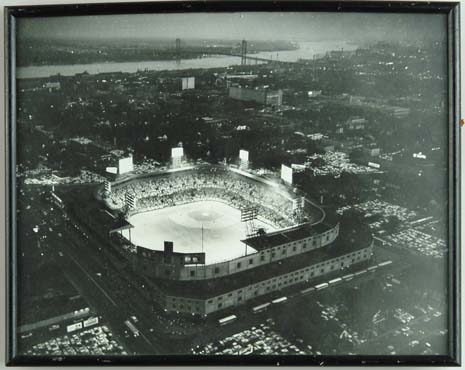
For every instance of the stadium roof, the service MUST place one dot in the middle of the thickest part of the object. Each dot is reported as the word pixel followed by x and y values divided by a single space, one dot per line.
pixel 83 203
pixel 120 224
pixel 276 238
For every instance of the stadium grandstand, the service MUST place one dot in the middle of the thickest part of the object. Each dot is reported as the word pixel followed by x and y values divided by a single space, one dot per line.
pixel 264 237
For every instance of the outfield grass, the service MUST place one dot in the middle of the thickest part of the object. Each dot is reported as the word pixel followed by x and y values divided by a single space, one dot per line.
pixel 222 229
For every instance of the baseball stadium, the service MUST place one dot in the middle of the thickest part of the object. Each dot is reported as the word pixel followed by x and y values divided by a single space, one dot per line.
pixel 208 237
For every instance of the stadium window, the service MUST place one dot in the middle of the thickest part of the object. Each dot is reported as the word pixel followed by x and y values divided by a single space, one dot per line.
pixel 273 255
pixel 230 295
pixel 239 298
pixel 210 301
pixel 192 273
pixel 284 252
pixel 322 270
pixel 217 270
pixel 342 264
pixel 312 273
pixel 262 258
pixel 251 261
pixel 294 249
pixel 220 305
pixel 238 265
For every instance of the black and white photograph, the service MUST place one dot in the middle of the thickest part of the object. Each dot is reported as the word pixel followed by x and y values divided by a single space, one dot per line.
pixel 232 185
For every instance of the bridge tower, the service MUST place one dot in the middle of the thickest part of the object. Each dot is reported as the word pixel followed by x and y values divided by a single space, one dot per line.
pixel 178 50
pixel 244 52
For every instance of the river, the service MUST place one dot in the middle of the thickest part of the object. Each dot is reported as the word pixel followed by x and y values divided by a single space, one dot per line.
pixel 306 51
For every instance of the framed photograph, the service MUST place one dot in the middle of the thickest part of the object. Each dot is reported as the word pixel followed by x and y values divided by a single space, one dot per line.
pixel 233 183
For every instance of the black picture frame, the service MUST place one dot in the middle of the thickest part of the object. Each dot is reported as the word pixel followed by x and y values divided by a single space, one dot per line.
pixel 449 8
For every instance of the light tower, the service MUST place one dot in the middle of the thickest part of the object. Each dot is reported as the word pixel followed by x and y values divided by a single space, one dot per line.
pixel 287 174
pixel 107 185
pixel 248 216
pixel 244 52
pixel 298 205
pixel 176 157
pixel 244 159
pixel 130 201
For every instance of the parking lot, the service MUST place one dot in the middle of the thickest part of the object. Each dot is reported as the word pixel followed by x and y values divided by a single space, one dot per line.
pixel 95 341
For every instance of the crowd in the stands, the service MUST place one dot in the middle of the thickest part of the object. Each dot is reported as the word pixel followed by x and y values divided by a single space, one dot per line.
pixel 211 184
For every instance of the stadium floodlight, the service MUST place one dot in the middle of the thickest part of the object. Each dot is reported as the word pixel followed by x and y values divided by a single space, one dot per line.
pixel 286 174
pixel 107 185
pixel 243 155
pixel 248 214
pixel 125 165
pixel 177 152
pixel 130 200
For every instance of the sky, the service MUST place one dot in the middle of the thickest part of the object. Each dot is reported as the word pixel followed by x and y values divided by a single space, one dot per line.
pixel 251 26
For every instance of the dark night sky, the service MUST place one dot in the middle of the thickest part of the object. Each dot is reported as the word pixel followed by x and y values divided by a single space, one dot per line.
pixel 355 27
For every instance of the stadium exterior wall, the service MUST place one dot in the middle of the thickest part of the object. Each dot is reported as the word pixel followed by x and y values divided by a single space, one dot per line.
pixel 249 286
pixel 240 296
pixel 156 267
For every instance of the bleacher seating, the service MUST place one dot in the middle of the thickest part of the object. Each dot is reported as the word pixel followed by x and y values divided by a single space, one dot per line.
pixel 211 183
